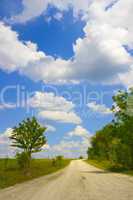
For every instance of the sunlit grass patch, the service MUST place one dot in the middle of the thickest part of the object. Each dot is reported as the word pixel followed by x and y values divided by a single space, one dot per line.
pixel 10 173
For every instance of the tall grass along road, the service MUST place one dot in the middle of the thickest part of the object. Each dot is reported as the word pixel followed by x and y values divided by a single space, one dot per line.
pixel 11 173
pixel 79 181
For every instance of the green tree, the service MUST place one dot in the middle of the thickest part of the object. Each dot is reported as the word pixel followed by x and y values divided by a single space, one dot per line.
pixel 28 136
pixel 114 142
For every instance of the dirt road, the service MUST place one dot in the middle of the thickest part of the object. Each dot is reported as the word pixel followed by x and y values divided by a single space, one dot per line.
pixel 79 181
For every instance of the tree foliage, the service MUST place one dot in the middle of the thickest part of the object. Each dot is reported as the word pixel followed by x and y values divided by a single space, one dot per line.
pixel 28 136
pixel 114 142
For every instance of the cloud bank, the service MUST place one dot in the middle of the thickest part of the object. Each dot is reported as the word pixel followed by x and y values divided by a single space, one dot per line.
pixel 102 56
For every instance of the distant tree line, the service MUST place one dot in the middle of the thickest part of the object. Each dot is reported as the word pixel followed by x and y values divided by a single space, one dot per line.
pixel 114 142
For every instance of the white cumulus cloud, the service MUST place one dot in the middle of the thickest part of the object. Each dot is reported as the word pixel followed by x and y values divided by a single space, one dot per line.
pixel 64 117
pixel 5 142
pixel 55 108
pixel 79 131
pixel 102 56
pixel 99 108
pixel 50 101
pixel 70 148
pixel 35 8
pixel 15 54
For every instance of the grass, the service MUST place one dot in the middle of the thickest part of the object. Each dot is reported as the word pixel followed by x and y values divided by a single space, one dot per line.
pixel 10 173
pixel 106 165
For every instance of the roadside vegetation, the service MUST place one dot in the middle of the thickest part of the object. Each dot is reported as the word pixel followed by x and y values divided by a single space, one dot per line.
pixel 107 166
pixel 11 173
pixel 112 146
pixel 28 138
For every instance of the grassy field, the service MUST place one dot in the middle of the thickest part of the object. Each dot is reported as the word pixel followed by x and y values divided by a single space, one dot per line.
pixel 10 174
pixel 107 166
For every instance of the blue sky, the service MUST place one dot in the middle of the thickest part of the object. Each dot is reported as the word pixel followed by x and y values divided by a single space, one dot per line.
pixel 70 59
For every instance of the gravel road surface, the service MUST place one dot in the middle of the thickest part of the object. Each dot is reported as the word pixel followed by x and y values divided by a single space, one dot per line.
pixel 79 181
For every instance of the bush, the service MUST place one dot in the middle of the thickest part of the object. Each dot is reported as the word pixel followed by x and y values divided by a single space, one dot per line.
pixel 59 160
pixel 23 160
